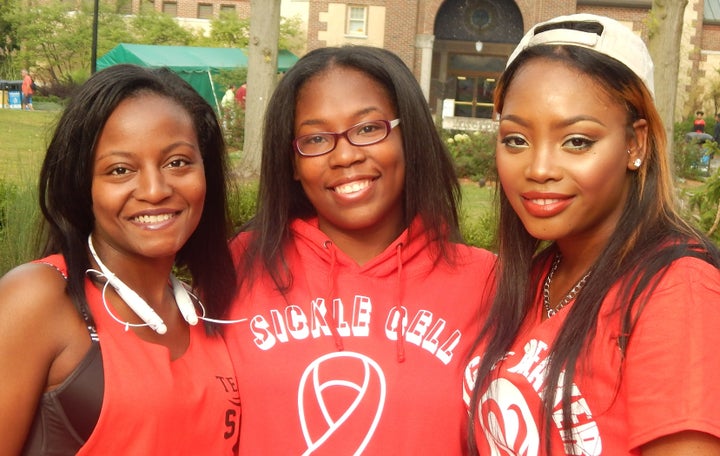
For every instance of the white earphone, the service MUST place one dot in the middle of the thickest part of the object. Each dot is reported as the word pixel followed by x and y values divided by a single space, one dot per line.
pixel 138 304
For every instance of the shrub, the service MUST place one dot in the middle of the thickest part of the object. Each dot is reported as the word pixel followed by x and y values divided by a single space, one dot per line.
pixel 473 153
pixel 233 123
pixel 704 206
pixel 242 201
pixel 479 231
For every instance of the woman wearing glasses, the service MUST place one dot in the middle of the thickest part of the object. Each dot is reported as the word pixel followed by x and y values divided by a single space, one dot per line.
pixel 360 305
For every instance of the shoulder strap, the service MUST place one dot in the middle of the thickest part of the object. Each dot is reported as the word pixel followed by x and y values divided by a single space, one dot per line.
pixel 58 263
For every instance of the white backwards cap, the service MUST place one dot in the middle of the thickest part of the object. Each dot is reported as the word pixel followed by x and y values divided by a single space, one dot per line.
pixel 608 37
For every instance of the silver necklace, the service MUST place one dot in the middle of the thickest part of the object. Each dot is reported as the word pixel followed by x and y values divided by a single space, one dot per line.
pixel 568 297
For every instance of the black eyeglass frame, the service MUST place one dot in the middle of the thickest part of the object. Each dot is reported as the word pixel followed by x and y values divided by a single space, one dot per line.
pixel 389 125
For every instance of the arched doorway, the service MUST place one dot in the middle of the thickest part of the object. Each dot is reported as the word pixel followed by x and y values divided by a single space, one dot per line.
pixel 473 39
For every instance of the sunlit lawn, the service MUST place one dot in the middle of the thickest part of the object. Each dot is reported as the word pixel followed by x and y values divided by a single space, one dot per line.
pixel 23 139
pixel 477 200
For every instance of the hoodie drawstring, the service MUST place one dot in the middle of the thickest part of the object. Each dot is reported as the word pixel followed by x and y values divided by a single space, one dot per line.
pixel 399 329
pixel 400 334
pixel 328 298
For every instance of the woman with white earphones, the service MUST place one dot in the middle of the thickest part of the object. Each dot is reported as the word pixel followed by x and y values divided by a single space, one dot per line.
pixel 101 347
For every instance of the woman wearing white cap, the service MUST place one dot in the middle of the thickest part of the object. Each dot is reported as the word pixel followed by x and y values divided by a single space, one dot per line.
pixel 604 332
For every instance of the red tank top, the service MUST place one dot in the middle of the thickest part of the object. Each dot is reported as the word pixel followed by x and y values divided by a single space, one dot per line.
pixel 155 405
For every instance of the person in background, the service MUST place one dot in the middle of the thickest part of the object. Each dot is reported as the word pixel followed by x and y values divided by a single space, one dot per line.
pixel 241 94
pixel 699 122
pixel 360 304
pixel 101 351
pixel 603 333
pixel 27 91
pixel 228 100
pixel 716 129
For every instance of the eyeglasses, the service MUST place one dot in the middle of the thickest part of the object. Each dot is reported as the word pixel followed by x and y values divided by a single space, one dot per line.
pixel 362 134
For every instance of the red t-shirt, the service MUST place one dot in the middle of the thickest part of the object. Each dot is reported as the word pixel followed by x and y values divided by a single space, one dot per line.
pixel 667 382
pixel 27 85
pixel 240 94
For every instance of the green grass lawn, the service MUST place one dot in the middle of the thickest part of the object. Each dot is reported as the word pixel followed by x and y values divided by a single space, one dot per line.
pixel 476 200
pixel 23 140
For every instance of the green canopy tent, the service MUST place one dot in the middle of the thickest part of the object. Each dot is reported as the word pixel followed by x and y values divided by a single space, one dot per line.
pixel 196 65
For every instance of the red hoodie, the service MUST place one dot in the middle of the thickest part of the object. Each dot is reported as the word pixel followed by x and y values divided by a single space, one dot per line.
pixel 322 371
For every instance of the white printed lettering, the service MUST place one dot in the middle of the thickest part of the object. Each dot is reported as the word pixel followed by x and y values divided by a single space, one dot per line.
pixel 418 327
pixel 445 353
pixel 343 328
pixel 431 341
pixel 260 328
pixel 279 325
pixel 318 323
pixel 391 324
pixel 297 322
pixel 362 310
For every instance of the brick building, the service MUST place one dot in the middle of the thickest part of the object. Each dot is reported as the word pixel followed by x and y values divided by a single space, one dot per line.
pixel 457 48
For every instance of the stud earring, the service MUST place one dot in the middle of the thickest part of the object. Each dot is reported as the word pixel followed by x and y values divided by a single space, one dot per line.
pixel 637 162
pixel 628 151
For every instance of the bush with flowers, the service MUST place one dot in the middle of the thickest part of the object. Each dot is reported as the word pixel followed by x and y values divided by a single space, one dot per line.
pixel 473 153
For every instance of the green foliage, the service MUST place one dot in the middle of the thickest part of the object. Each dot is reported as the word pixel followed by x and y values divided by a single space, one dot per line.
pixel 52 35
pixel 686 158
pixel 228 30
pixel 7 191
pixel 53 38
pixel 233 123
pixel 704 208
pixel 24 136
pixel 226 78
pixel 153 27
pixel 242 200
pixel 292 36
pixel 473 153
pixel 477 215
pixel 19 212
pixel 479 230
pixel 113 29
pixel 688 155
pixel 8 39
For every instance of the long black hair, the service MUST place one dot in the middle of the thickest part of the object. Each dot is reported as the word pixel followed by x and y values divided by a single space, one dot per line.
pixel 66 180
pixel 431 188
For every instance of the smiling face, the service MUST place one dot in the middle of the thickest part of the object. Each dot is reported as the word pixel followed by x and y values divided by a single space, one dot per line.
pixel 357 191
pixel 148 184
pixel 562 153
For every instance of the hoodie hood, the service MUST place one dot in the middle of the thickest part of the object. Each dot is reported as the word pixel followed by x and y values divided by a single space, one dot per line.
pixel 409 244
pixel 314 246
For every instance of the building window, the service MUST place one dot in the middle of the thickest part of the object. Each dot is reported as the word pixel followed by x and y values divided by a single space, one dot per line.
pixel 357 20
pixel 170 8
pixel 124 7
pixel 617 3
pixel 227 9
pixel 474 96
pixel 148 5
pixel 205 11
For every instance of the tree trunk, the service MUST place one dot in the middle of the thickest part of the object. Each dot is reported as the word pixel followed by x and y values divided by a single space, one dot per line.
pixel 262 74
pixel 666 23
